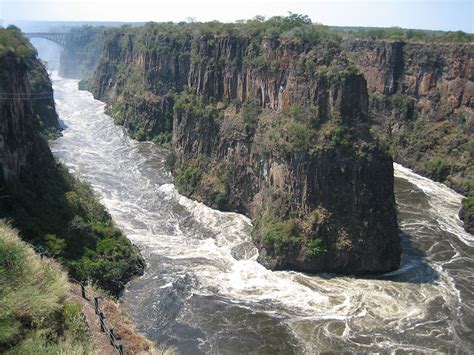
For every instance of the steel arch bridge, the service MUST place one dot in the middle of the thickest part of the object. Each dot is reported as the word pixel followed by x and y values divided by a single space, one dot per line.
pixel 56 37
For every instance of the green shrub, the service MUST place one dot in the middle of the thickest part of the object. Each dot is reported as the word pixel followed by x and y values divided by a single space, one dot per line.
pixel 188 179
pixel 75 321
pixel 221 201
pixel 276 234
pixel 339 136
pixel 315 247
pixel 63 215
pixel 250 112
pixel 468 207
pixel 437 168
pixel 163 137
pixel 14 43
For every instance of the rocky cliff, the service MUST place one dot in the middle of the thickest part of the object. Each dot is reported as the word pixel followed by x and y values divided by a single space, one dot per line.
pixel 20 143
pixel 53 210
pixel 421 98
pixel 275 128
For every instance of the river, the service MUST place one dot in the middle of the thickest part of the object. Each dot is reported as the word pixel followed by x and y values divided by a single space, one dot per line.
pixel 203 291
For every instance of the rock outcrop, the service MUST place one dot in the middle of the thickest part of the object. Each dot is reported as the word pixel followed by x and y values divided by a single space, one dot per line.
pixel 273 128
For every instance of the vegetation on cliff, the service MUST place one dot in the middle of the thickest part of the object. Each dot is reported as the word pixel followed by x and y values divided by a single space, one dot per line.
pixel 61 214
pixel 14 45
pixel 262 111
pixel 419 102
pixel 412 35
pixel 54 210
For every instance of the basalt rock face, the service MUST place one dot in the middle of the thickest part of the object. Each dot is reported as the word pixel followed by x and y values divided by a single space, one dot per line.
pixel 276 130
pixel 22 150
pixel 421 97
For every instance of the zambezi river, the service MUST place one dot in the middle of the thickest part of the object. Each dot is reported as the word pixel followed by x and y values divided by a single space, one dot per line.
pixel 204 292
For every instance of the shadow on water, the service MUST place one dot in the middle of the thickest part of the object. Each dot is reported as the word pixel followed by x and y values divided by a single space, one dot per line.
pixel 62 124
pixel 413 267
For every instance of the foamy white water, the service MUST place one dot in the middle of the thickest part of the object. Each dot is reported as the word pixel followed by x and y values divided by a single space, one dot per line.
pixel 203 290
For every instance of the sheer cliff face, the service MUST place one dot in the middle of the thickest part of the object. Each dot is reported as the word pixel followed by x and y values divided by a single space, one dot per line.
pixel 421 97
pixel 276 131
pixel 21 148
pixel 422 103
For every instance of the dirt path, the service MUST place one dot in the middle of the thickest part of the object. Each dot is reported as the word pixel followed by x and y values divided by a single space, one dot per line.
pixel 100 340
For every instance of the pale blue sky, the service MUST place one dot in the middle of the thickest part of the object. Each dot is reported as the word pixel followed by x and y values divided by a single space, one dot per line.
pixel 424 14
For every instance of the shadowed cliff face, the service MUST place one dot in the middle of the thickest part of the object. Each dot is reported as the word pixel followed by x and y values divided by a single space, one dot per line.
pixel 276 130
pixel 21 148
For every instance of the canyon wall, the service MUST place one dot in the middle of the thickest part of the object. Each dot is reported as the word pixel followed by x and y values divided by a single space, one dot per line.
pixel 274 128
pixel 52 209
pixel 21 147
pixel 421 99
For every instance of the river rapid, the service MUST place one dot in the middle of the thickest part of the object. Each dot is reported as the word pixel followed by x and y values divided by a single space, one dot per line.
pixel 204 292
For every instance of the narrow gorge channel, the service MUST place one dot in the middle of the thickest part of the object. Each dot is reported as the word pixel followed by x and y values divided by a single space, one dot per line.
pixel 204 292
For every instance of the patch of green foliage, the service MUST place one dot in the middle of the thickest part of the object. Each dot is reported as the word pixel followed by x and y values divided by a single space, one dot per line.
pixel 188 179
pixel 13 43
pixel 33 315
pixel 277 228
pixel 163 137
pixel 221 200
pixel 62 215
pixel 315 247
pixel 437 168
pixel 468 207
pixel 293 130
pixel 339 136
pixel 249 112
pixel 203 112
pixel 400 100
pixel 411 35
pixel 277 234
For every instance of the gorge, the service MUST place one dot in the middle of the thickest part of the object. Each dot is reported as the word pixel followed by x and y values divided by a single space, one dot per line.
pixel 282 131
pixel 204 292
pixel 420 89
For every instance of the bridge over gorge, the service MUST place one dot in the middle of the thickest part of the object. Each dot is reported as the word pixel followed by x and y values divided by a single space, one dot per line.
pixel 56 37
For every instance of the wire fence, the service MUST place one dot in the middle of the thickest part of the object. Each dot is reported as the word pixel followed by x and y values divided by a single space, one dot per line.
pixel 95 302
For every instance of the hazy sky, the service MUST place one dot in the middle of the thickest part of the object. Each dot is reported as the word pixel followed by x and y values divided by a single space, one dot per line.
pixel 425 14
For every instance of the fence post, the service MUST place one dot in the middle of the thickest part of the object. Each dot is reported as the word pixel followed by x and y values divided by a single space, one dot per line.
pixel 83 291
pixel 101 321
pixel 96 305
pixel 120 349
pixel 112 337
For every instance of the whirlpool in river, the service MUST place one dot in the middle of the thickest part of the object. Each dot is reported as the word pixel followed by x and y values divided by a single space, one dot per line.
pixel 204 292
